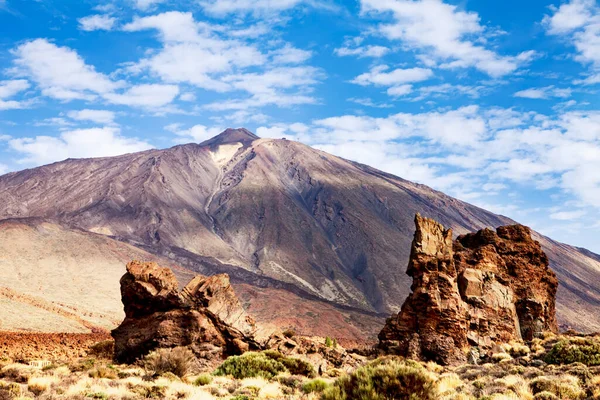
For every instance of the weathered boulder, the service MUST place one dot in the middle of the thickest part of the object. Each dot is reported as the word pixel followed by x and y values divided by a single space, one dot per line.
pixel 206 316
pixel 482 289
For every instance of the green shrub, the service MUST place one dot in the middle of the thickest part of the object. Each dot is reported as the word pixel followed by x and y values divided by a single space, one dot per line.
pixel 203 379
pixel 384 379
pixel 567 351
pixel 266 364
pixel 250 365
pixel 295 366
pixel 316 385
pixel 328 342
pixel 178 360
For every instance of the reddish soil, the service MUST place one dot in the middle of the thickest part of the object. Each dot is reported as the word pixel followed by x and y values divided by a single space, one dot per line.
pixel 25 347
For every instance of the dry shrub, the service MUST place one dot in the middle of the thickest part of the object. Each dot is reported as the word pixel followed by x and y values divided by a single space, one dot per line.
pixel 178 360
pixel 103 372
pixel 104 349
pixel 39 385
pixel 564 386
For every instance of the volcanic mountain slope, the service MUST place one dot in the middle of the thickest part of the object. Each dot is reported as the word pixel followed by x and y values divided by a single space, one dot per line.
pixel 276 215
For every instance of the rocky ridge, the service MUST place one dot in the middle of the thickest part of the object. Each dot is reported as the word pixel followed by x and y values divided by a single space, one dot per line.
pixel 470 294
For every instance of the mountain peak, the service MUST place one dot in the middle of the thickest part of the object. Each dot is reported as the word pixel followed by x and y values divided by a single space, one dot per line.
pixel 231 135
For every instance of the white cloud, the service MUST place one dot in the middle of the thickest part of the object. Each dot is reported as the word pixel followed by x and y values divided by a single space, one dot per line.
pixel 145 95
pixel 104 117
pixel 290 55
pixel 80 143
pixel 3 168
pixel 363 51
pixel 464 150
pixel 544 93
pixel 188 96
pixel 195 53
pixel 567 215
pixel 97 22
pixel 241 117
pixel 145 5
pixel 398 91
pixel 579 21
pixel 224 7
pixel 367 102
pixel 9 89
pixel 443 33
pixel 197 133
pixel 570 16
pixel 60 72
pixel 382 76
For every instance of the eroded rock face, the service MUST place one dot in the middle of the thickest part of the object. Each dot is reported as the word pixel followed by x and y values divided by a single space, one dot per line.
pixel 205 316
pixel 482 289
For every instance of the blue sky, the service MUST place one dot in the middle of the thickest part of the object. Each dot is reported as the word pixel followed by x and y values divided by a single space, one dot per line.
pixel 493 102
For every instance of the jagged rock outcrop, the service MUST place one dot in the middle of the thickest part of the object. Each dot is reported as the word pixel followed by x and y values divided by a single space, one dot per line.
pixel 205 316
pixel 482 289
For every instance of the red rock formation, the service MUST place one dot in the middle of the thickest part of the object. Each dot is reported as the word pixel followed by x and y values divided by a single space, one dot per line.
pixel 205 316
pixel 484 288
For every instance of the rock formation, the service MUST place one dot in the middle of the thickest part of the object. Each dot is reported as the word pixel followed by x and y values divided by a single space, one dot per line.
pixel 205 316
pixel 482 289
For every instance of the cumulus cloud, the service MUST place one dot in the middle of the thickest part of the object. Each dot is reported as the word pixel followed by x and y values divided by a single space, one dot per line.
pixel 469 148
pixel 97 22
pixel 80 143
pixel 145 95
pixel 258 7
pixel 544 93
pixel 60 72
pixel 145 5
pixel 396 80
pixel 447 35
pixel 363 51
pixel 195 53
pixel 197 133
pixel 579 22
pixel 103 117
pixel 9 89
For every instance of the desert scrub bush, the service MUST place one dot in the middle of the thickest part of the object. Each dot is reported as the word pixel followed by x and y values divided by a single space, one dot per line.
pixel 203 379
pixel 250 365
pixel 266 364
pixel 384 379
pixel 500 357
pixel 105 372
pixel 178 360
pixel 567 351
pixel 38 385
pixel 17 372
pixel 545 396
pixel 563 387
pixel 295 366
pixel 316 385
pixel 104 349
